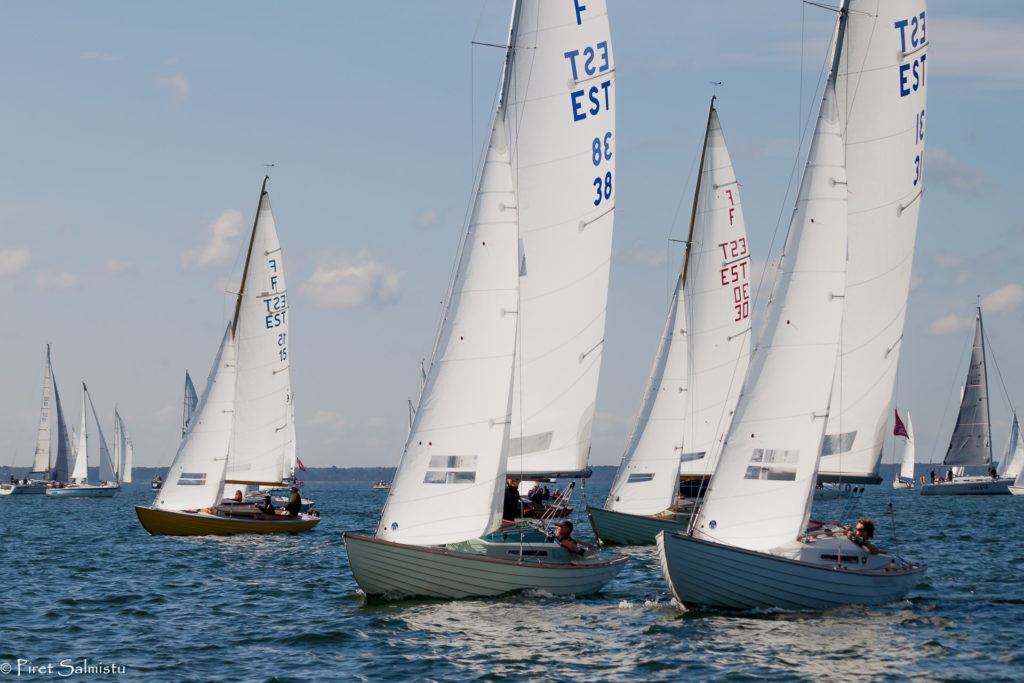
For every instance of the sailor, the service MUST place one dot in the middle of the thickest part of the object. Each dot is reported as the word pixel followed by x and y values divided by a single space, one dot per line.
pixel 267 507
pixel 563 537
pixel 294 501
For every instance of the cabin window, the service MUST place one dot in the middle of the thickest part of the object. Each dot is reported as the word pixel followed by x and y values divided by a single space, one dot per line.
pixel 192 479
pixel 640 476
pixel 528 552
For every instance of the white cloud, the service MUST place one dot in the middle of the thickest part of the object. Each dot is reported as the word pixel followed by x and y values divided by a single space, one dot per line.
pixel 351 281
pixel 952 174
pixel 48 280
pixel 426 217
pixel 177 86
pixel 950 324
pixel 986 51
pixel 331 421
pixel 118 267
pixel 13 260
pixel 219 248
pixel 946 259
pixel 1004 299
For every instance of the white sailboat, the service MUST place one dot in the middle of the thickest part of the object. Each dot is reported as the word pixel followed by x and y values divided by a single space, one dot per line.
pixel 699 367
pixel 80 487
pixel 243 428
pixel 52 466
pixel 748 546
pixel 971 442
pixel 881 94
pixel 904 479
pixel 124 450
pixel 520 336
pixel 1016 467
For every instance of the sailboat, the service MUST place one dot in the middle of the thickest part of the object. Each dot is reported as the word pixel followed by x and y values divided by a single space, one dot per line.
pixel 53 469
pixel 1012 464
pixel 189 403
pixel 699 366
pixel 242 432
pixel 971 442
pixel 511 385
pixel 748 546
pixel 905 477
pixel 124 451
pixel 80 486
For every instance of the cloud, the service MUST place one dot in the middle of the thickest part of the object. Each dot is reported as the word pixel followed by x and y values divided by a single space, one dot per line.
pixel 946 259
pixel 13 260
pixel 640 254
pixel 351 281
pixel 998 66
pixel 331 421
pixel 1004 299
pixel 177 86
pixel 954 175
pixel 950 324
pixel 219 248
pixel 48 280
pixel 426 217
pixel 117 267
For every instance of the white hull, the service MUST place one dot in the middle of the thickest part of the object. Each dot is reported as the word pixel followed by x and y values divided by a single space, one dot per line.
pixel 699 572
pixel 623 529
pixel 34 488
pixel 902 484
pixel 383 568
pixel 83 492
pixel 969 486
pixel 1016 490
pixel 834 492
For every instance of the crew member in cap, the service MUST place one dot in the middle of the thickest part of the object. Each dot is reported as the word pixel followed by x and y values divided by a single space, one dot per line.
pixel 294 502
pixel 563 537
pixel 267 507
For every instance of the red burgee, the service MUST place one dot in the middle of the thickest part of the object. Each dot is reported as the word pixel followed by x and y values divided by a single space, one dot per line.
pixel 303 467
pixel 898 429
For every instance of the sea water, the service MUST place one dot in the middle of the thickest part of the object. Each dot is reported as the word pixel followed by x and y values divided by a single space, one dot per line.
pixel 83 585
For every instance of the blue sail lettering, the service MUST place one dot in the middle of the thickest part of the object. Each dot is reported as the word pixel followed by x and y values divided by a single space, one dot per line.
pixel 579 11
pixel 571 56
pixel 276 319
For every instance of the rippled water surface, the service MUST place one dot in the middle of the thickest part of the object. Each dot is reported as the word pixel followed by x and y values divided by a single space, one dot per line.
pixel 83 581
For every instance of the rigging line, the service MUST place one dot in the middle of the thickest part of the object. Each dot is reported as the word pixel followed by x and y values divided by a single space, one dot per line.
pixel 988 344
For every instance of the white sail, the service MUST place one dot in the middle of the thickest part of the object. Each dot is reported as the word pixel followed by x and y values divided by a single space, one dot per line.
pixel 559 101
pixel 61 466
pixel 881 95
pixel 449 484
pixel 123 452
pixel 907 461
pixel 291 452
pixel 1012 462
pixel 196 476
pixel 759 497
pixel 80 470
pixel 129 459
pixel 704 350
pixel 41 461
pixel 106 468
pixel 261 432
pixel 118 451
pixel 971 443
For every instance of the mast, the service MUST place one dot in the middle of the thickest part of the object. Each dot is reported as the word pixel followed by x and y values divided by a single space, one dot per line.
pixel 696 191
pixel 984 378
pixel 248 255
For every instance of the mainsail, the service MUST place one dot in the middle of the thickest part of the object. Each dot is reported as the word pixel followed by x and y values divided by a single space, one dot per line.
pixel 704 350
pixel 262 428
pixel 80 470
pixel 559 111
pixel 190 401
pixel 971 443
pixel 759 497
pixel 41 461
pixel 881 95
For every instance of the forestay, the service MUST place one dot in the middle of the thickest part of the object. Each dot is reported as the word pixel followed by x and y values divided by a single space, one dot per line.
pixel 971 443
pixel 760 495
pixel 560 117
pixel 704 350
pixel 262 430
pixel 449 482
pixel 196 475
pixel 881 94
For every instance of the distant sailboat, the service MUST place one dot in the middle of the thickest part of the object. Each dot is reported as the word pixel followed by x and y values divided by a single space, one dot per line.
pixel 510 388
pixel 80 486
pixel 749 546
pixel 971 442
pixel 904 479
pixel 190 402
pixel 242 431
pixel 53 469
pixel 124 450
pixel 699 368
pixel 1016 467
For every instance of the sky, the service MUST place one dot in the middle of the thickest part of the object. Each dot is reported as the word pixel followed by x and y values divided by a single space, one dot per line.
pixel 134 138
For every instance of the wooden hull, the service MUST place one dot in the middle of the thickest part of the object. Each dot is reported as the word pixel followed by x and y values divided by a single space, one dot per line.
pixel 83 492
pixel 620 528
pixel 699 572
pixel 394 570
pixel 969 486
pixel 198 523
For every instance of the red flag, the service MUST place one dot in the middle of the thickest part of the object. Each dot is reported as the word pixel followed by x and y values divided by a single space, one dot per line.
pixel 898 429
pixel 303 467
